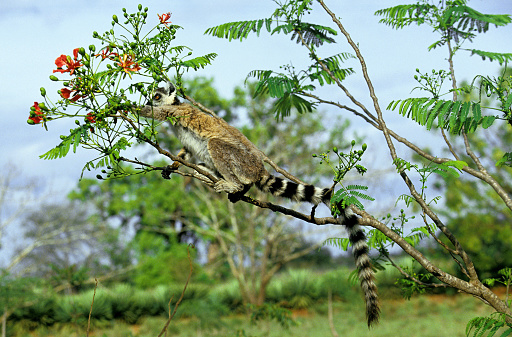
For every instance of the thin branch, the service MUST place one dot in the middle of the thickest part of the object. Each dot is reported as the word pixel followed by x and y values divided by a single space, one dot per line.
pixel 449 145
pixel 181 297
pixel 334 333
pixel 90 311
pixel 414 279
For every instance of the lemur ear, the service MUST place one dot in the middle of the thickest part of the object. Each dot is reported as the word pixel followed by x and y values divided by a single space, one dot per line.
pixel 170 88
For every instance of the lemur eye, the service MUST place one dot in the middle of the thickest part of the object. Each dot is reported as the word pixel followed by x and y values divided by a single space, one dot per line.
pixel 157 97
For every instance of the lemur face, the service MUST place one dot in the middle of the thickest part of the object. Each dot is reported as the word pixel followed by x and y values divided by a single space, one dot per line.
pixel 164 96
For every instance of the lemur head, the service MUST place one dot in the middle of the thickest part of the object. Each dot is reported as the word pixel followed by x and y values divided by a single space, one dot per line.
pixel 165 96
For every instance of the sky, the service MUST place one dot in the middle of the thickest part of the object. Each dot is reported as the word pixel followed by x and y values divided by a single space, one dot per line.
pixel 33 33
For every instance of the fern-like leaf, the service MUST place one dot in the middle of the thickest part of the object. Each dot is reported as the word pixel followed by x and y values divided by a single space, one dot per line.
pixel 340 243
pixel 488 326
pixel 239 30
pixel 312 34
pixel 500 57
pixel 62 149
pixel 452 116
pixel 283 106
pixel 199 62
pixel 404 15
pixel 333 64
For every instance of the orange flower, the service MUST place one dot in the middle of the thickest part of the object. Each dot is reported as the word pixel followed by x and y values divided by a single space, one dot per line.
pixel 107 53
pixel 71 65
pixel 36 116
pixel 164 18
pixel 66 93
pixel 91 118
pixel 126 62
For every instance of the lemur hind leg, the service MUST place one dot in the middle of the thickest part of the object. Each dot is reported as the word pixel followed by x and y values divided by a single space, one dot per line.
pixel 231 162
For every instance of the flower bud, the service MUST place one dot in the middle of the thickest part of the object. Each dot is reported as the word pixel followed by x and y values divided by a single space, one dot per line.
pixel 140 7
pixel 81 51
pixel 53 78
pixel 114 17
pixel 353 143
pixel 92 48
pixel 364 147
pixel 43 91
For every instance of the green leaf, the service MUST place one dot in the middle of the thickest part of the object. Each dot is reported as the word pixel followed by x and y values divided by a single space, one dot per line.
pixel 404 15
pixel 199 62
pixel 500 57
pixel 239 29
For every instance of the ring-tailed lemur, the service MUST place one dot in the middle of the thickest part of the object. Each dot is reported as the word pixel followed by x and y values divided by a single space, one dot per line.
pixel 238 164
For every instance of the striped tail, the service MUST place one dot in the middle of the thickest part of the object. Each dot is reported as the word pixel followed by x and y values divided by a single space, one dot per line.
pixel 308 193
pixel 282 188
pixel 364 266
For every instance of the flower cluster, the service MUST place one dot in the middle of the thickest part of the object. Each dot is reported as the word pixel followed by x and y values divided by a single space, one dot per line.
pixel 165 19
pixel 68 62
pixel 126 62
pixel 36 115
pixel 66 94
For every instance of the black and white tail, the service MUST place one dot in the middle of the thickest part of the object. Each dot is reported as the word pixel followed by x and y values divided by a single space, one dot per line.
pixel 308 193
pixel 364 266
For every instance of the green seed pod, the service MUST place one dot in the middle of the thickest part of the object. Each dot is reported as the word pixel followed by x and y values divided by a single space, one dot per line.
pixel 43 91
pixel 53 78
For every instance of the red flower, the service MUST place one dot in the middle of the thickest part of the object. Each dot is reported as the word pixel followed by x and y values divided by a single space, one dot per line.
pixel 71 65
pixel 66 93
pixel 127 64
pixel 164 18
pixel 107 53
pixel 38 117
pixel 91 118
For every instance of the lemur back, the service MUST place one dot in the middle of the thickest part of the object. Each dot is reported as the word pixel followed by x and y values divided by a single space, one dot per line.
pixel 238 164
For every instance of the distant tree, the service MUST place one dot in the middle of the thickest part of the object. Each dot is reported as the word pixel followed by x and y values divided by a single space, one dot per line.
pixel 106 118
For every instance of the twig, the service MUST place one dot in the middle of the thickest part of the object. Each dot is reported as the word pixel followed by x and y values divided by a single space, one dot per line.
pixel 164 330
pixel 449 144
pixel 90 311
pixel 330 315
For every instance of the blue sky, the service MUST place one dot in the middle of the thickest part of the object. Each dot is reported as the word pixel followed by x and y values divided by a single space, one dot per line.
pixel 34 33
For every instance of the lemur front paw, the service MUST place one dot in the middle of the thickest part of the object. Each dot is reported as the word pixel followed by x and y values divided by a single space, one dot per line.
pixel 169 169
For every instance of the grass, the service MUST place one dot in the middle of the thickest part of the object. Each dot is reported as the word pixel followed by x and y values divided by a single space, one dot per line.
pixel 421 316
